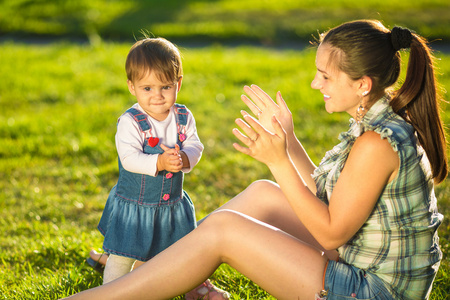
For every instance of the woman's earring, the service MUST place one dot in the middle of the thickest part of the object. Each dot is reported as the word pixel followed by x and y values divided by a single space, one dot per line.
pixel 361 111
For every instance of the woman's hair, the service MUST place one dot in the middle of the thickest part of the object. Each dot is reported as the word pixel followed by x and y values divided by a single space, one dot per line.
pixel 157 55
pixel 367 48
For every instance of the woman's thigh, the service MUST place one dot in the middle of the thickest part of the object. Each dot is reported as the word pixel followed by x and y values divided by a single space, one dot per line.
pixel 265 201
pixel 281 264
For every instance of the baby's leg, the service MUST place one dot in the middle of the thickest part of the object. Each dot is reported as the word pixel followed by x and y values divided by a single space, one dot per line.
pixel 137 264
pixel 101 258
pixel 117 266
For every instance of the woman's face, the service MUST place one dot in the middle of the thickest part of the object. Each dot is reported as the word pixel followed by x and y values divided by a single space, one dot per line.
pixel 340 93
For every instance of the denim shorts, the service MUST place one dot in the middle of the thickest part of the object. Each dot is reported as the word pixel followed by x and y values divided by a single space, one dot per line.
pixel 343 281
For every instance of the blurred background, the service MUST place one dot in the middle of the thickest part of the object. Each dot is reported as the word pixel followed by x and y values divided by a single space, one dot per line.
pixel 239 21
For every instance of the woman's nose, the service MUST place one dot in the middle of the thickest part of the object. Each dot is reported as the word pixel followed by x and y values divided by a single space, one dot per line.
pixel 315 84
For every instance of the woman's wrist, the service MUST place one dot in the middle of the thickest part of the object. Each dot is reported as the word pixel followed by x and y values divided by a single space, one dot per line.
pixel 292 141
pixel 280 164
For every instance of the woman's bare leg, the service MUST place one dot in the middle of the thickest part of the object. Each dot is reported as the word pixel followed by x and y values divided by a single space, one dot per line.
pixel 281 264
pixel 264 200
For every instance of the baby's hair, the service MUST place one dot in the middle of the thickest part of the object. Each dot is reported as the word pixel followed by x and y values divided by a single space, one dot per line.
pixel 154 55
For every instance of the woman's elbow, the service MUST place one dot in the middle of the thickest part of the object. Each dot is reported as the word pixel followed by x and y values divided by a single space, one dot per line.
pixel 331 245
pixel 332 241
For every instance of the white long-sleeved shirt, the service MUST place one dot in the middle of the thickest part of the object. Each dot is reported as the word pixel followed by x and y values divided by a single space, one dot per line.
pixel 130 140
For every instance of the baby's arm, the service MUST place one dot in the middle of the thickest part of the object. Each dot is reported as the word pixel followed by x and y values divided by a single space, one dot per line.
pixel 129 141
pixel 185 160
pixel 191 148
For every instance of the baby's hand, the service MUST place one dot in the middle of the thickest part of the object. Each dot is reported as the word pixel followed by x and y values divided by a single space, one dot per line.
pixel 170 160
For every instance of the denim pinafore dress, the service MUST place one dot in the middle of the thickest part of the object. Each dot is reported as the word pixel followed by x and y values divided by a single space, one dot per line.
pixel 144 214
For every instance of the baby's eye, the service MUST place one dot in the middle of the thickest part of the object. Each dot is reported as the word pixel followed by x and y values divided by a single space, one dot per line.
pixel 147 89
pixel 167 87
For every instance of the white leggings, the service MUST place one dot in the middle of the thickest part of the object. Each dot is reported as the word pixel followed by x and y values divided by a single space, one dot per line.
pixel 117 266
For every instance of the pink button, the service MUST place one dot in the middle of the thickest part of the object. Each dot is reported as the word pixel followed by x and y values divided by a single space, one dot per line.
pixel 166 197
pixel 353 295
pixel 169 175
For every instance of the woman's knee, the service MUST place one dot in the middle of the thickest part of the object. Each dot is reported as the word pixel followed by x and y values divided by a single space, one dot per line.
pixel 221 226
pixel 264 185
pixel 266 194
pixel 220 220
pixel 262 190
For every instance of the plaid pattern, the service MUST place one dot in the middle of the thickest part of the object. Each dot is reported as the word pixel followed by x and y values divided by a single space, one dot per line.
pixel 398 243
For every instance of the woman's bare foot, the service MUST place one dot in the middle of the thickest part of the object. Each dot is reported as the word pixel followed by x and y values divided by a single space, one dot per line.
pixel 207 291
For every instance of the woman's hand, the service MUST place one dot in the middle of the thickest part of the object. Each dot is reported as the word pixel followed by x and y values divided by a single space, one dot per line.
pixel 263 145
pixel 263 107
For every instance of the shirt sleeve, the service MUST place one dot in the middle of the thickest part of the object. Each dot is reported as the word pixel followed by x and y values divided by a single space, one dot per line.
pixel 129 144
pixel 192 145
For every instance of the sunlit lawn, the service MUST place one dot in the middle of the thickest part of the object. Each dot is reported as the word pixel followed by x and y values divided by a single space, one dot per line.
pixel 59 105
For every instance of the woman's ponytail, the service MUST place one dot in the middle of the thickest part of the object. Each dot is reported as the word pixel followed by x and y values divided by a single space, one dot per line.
pixel 418 101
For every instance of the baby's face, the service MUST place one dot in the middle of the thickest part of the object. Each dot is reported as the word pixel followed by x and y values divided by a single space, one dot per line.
pixel 155 96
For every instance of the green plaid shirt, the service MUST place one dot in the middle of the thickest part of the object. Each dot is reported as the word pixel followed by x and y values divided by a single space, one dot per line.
pixel 398 243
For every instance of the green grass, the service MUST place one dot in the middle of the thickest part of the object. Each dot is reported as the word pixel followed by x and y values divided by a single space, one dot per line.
pixel 59 104
pixel 264 21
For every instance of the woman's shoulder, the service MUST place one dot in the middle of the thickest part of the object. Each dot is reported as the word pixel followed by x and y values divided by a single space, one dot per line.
pixel 372 149
pixel 372 141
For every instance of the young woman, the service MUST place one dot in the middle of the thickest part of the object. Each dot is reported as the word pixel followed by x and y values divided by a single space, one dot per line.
pixel 371 197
